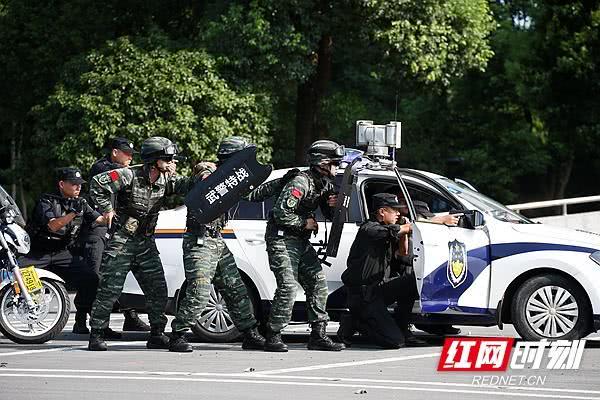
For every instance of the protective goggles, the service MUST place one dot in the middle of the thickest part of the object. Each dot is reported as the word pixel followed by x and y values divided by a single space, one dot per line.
pixel 340 151
pixel 171 150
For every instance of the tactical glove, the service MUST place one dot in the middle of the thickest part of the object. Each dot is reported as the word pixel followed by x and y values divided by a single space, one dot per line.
pixel 77 205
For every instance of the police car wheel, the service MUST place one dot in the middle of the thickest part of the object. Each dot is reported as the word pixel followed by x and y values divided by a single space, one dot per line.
pixel 215 323
pixel 550 307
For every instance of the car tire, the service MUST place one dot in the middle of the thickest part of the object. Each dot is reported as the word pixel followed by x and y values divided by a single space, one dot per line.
pixel 215 324
pixel 550 307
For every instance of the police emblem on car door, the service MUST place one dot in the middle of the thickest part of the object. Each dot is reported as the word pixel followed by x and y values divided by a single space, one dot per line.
pixel 457 263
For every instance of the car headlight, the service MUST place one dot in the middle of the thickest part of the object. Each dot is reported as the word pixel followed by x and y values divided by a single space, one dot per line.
pixel 596 257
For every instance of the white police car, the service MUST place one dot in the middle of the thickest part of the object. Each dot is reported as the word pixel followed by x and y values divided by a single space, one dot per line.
pixel 495 267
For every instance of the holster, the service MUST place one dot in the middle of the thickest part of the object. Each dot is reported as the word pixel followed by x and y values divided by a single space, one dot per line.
pixel 131 225
pixel 204 230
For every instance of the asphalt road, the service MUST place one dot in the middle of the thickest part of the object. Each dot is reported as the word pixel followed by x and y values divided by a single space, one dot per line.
pixel 64 368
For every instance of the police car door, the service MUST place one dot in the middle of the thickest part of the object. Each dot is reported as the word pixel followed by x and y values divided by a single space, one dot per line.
pixel 452 264
pixel 245 238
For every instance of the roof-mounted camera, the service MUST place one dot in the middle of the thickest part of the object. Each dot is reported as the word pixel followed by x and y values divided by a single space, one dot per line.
pixel 378 138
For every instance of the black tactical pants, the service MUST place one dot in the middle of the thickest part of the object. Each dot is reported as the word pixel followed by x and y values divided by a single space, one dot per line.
pixel 71 269
pixel 93 247
pixel 369 309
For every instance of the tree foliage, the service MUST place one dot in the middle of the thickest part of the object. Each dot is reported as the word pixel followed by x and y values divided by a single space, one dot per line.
pixel 510 87
pixel 144 89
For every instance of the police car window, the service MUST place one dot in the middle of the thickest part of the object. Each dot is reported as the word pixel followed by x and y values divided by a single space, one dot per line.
pixel 354 214
pixel 247 210
pixel 435 201
pixel 374 186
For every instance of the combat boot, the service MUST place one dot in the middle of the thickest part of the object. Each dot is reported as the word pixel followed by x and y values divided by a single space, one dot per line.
pixel 80 327
pixel 97 342
pixel 133 322
pixel 253 340
pixel 178 343
pixel 273 342
pixel 347 329
pixel 110 334
pixel 158 339
pixel 320 341
pixel 410 340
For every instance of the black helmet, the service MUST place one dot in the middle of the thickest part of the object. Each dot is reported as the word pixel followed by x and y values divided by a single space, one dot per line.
pixel 325 151
pixel 231 145
pixel 156 148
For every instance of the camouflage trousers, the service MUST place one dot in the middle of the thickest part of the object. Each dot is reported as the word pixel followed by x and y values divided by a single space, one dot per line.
pixel 138 254
pixel 205 263
pixel 293 259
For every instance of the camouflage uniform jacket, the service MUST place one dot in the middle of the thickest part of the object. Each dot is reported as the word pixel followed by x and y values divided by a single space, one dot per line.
pixel 137 200
pixel 298 200
pixel 201 171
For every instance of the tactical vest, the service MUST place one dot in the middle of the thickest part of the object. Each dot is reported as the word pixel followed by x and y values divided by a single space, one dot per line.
pixel 274 187
pixel 317 187
pixel 44 238
pixel 141 201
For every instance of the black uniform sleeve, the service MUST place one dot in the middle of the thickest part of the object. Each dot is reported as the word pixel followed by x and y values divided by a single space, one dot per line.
pixel 89 214
pixel 44 212
pixel 377 231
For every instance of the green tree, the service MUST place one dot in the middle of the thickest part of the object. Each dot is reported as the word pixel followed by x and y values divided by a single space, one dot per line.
pixel 559 81
pixel 149 87
pixel 291 46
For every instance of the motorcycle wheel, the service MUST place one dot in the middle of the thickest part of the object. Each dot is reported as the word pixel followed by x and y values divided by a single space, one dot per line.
pixel 17 324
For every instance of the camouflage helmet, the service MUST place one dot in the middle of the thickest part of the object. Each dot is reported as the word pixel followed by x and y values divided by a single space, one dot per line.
pixel 156 148
pixel 231 145
pixel 325 151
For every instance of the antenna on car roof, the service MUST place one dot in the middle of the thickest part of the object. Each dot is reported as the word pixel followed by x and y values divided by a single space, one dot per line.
pixel 395 119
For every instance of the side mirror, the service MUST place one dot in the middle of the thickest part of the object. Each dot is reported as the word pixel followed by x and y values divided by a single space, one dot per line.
pixel 472 219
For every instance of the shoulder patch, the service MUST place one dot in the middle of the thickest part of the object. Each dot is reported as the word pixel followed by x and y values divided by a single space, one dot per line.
pixel 103 178
pixel 114 175
pixel 297 193
pixel 291 202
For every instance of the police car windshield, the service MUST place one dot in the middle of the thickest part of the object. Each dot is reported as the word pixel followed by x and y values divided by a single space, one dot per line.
pixel 484 203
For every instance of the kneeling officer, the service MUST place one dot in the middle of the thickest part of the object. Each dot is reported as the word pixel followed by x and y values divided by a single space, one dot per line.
pixel 375 279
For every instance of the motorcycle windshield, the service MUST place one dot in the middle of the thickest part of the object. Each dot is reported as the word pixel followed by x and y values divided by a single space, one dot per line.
pixel 8 207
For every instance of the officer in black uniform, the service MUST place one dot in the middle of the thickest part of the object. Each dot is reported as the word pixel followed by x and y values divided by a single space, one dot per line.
pixel 375 278
pixel 54 228
pixel 119 154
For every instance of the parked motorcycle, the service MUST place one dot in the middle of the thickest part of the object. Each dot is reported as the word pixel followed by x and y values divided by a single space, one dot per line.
pixel 34 304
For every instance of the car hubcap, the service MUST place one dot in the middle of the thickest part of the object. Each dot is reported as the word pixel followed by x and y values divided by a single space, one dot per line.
pixel 552 311
pixel 215 318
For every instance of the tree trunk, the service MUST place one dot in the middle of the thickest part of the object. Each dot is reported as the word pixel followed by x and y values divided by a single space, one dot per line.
pixel 562 175
pixel 23 206
pixel 13 160
pixel 309 126
pixel 305 114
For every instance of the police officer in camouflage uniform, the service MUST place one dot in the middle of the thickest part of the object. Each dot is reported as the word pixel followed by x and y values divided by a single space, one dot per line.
pixel 140 192
pixel 206 260
pixel 54 229
pixel 93 236
pixel 291 256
